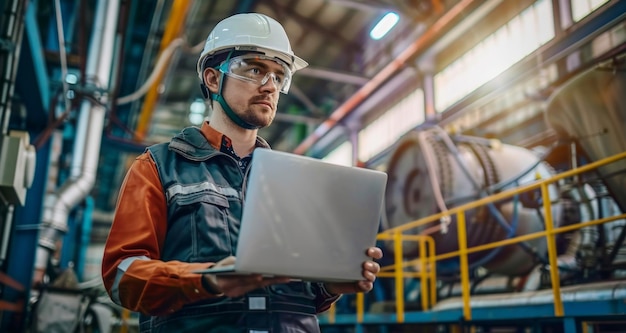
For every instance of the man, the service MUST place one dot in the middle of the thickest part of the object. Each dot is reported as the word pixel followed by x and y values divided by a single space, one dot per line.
pixel 180 206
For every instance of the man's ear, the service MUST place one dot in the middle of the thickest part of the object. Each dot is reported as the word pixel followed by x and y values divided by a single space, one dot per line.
pixel 211 79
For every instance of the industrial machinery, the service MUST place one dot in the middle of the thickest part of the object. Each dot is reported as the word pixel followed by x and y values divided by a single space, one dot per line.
pixel 432 171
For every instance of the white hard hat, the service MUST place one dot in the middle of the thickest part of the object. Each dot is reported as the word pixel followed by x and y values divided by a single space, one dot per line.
pixel 250 32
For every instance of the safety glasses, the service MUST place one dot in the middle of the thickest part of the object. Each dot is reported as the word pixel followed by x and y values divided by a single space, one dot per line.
pixel 252 68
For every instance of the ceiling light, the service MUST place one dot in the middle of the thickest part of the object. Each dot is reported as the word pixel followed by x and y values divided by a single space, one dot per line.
pixel 384 25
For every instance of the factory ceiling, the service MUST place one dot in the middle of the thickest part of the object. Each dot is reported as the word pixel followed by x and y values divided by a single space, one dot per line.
pixel 155 81
pixel 333 36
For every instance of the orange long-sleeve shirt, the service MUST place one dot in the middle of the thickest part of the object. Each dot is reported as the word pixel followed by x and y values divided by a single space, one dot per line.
pixel 132 272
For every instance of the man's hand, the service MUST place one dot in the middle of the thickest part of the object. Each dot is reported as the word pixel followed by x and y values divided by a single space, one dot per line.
pixel 370 269
pixel 238 285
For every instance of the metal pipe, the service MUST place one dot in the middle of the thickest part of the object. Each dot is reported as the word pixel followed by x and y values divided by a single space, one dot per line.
pixel 62 53
pixel 6 232
pixel 398 63
pixel 87 144
pixel 334 76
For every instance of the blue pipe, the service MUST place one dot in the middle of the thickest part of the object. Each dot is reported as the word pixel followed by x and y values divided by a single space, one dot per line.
pixel 68 249
pixel 76 239
pixel 34 43
pixel 510 234
pixel 85 236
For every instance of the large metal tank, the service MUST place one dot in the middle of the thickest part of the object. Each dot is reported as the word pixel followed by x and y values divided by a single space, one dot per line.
pixel 430 171
pixel 590 109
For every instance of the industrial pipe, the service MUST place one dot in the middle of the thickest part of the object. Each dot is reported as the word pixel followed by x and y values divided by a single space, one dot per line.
pixel 86 150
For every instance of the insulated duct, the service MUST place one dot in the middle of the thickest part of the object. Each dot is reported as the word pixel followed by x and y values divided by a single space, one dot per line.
pixel 86 149
pixel 430 172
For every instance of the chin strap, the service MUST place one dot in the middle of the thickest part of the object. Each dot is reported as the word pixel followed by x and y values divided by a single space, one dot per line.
pixel 220 99
pixel 229 112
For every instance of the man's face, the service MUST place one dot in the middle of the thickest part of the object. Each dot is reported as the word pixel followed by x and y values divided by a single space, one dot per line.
pixel 253 102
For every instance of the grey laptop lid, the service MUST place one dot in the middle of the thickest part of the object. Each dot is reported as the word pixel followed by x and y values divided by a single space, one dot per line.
pixel 308 219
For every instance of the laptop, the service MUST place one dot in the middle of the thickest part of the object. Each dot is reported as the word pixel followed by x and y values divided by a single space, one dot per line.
pixel 306 219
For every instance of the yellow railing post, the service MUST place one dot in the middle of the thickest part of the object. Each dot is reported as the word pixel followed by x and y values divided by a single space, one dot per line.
pixel 360 307
pixel 399 276
pixel 423 274
pixel 462 236
pixel 432 270
pixel 554 269
pixel 125 319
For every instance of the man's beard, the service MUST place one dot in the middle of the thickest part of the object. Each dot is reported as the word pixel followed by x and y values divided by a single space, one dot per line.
pixel 254 119
pixel 258 119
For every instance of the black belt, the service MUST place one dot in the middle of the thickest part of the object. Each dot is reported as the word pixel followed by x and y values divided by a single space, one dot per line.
pixel 244 307
pixel 256 315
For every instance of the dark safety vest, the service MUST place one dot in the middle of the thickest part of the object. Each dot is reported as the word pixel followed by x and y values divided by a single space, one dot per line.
pixel 203 188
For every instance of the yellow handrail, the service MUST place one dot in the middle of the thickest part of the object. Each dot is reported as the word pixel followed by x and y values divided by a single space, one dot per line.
pixel 426 261
pixel 505 194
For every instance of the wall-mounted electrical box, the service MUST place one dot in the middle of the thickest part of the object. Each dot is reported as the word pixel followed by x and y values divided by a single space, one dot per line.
pixel 17 166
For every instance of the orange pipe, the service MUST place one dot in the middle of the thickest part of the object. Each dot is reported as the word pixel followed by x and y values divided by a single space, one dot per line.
pixel 173 29
pixel 366 90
